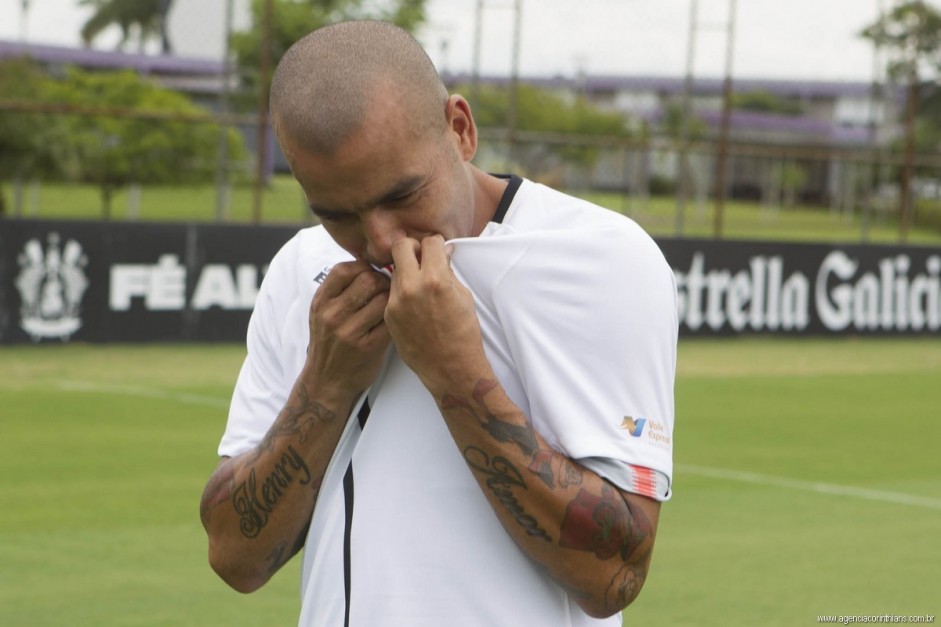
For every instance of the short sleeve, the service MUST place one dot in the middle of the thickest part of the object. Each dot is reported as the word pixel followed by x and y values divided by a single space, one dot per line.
pixel 260 391
pixel 590 318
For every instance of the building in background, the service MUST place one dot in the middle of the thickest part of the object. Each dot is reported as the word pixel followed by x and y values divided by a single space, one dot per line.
pixel 824 122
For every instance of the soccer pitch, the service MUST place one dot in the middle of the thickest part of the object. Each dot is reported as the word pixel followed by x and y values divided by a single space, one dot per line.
pixel 807 483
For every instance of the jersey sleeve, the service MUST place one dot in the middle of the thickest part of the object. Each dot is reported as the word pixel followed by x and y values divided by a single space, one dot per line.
pixel 260 391
pixel 590 318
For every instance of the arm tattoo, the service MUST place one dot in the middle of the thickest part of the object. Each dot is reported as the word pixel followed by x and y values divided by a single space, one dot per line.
pixel 296 419
pixel 602 525
pixel 502 477
pixel 523 436
pixel 627 582
pixel 254 501
pixel 569 473
pixel 610 526
pixel 607 525
pixel 546 464
pixel 280 556
pixel 276 559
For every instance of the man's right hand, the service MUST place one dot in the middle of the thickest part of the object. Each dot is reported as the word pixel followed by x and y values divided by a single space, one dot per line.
pixel 253 530
pixel 348 338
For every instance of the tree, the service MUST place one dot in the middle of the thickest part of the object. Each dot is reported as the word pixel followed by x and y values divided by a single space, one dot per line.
pixel 292 19
pixel 913 31
pixel 542 111
pixel 793 177
pixel 147 17
pixel 27 147
pixel 116 150
pixel 673 120
pixel 928 133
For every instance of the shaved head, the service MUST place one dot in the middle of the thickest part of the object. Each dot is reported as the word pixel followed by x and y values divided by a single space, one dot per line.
pixel 326 82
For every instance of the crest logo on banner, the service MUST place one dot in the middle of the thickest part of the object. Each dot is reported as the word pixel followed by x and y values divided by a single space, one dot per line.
pixel 51 284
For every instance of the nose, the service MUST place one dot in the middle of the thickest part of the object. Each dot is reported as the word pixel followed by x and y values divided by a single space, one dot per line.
pixel 380 230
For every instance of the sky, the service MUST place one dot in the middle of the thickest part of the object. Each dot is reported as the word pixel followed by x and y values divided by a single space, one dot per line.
pixel 792 39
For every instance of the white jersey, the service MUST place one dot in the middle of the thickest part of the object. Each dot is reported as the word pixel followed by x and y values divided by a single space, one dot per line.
pixel 577 308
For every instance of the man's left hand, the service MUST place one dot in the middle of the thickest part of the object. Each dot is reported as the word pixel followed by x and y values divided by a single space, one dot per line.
pixel 432 319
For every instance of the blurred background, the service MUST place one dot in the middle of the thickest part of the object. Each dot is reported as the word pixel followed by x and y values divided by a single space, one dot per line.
pixel 705 118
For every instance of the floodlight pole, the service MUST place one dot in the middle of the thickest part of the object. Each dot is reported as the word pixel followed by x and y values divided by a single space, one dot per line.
pixel 513 112
pixel 723 156
pixel 24 22
pixel 685 123
pixel 876 98
pixel 264 71
pixel 475 68
pixel 222 162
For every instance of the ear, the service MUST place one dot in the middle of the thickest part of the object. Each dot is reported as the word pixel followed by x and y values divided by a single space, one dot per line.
pixel 461 125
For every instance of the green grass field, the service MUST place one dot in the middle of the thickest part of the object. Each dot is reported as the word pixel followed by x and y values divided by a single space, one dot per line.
pixel 284 204
pixel 807 483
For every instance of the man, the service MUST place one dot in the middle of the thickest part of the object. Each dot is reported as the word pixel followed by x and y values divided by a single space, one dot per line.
pixel 485 437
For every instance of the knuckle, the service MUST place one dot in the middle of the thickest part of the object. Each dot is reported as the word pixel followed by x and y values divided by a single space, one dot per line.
pixel 407 292
pixel 374 281
pixel 341 270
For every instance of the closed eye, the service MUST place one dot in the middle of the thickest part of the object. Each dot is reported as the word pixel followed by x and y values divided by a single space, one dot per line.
pixel 404 199
pixel 325 215
pixel 402 195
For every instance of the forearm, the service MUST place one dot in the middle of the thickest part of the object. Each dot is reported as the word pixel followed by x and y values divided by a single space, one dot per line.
pixel 595 540
pixel 256 507
pixel 591 539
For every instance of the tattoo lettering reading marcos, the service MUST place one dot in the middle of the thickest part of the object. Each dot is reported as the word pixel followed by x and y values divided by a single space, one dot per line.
pixel 253 502
pixel 502 476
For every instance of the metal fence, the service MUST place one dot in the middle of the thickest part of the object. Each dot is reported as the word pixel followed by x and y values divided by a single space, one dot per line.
pixel 773 191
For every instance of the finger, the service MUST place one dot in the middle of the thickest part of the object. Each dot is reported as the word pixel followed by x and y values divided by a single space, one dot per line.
pixel 363 321
pixel 340 277
pixel 405 255
pixel 364 287
pixel 433 253
pixel 359 285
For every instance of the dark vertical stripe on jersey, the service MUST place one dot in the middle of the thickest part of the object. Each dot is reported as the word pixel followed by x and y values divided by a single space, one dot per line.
pixel 363 413
pixel 348 527
pixel 347 570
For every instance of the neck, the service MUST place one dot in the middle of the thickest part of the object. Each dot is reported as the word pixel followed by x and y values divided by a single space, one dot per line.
pixel 488 191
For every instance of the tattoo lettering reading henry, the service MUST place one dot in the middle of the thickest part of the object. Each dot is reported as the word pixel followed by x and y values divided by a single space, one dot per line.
pixel 254 502
pixel 502 476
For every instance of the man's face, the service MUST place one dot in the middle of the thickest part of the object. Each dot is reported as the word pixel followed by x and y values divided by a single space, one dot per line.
pixel 385 182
